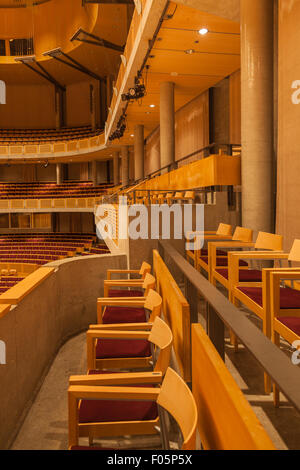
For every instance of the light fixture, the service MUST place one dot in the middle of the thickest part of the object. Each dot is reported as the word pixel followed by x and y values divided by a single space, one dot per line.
pixel 189 51
pixel 152 105
pixel 131 135
pixel 203 31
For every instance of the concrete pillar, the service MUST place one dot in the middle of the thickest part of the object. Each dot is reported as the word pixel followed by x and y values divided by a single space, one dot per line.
pixel 167 124
pixel 94 172
pixel 59 175
pixel 57 109
pixel 125 165
pixel 116 168
pixel 139 152
pixel 257 114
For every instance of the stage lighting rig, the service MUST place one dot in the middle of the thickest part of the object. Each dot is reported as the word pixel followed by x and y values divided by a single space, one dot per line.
pixel 135 93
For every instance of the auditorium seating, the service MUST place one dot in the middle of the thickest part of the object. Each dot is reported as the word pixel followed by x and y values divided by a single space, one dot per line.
pixel 148 400
pixel 126 284
pixel 114 353
pixel 52 190
pixel 41 248
pixel 45 136
pixel 242 237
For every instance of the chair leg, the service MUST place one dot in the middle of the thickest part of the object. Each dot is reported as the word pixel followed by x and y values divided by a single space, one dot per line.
pixel 276 391
pixel 234 341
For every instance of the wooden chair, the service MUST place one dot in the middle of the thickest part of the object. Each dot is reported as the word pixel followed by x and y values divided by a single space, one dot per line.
pixel 125 284
pixel 241 236
pixel 264 241
pixel 285 305
pixel 223 232
pixel 226 420
pixel 126 309
pixel 115 352
pixel 142 272
pixel 181 405
pixel 254 295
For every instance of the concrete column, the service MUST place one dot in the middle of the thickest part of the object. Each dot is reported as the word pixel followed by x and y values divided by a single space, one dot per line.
pixel 116 168
pixel 138 152
pixel 167 124
pixel 125 165
pixel 57 109
pixel 93 106
pixel 257 114
pixel 59 175
pixel 94 172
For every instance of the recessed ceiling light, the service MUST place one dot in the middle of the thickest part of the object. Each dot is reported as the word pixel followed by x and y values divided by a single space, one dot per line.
pixel 203 31
pixel 131 135
pixel 189 51
pixel 174 74
pixel 152 105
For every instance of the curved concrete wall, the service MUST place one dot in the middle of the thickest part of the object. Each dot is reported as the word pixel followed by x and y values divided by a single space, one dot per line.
pixel 34 330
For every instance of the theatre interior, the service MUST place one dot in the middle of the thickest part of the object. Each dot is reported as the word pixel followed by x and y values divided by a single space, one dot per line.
pixel 149 225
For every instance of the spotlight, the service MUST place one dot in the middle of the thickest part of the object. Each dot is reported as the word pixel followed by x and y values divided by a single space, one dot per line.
pixel 189 51
pixel 151 105
pixel 136 92
pixel 46 164
pixel 203 31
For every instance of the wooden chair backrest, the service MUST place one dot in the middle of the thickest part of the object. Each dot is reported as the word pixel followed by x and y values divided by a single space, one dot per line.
pixel 269 241
pixel 295 251
pixel 162 337
pixel 178 195
pixel 145 269
pixel 242 234
pixel 153 303
pixel 224 229
pixel 176 311
pixel 226 420
pixel 176 397
pixel 189 195
pixel 149 283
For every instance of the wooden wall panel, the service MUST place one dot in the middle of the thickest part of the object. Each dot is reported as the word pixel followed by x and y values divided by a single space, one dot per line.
pixel 192 126
pixel 235 107
pixel 288 166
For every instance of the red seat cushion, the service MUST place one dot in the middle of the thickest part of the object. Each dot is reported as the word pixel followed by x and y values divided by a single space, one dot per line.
pixel 219 253
pixel 250 275
pixel 125 293
pixel 222 261
pixel 113 348
pixel 293 323
pixel 124 315
pixel 99 411
pixel 289 298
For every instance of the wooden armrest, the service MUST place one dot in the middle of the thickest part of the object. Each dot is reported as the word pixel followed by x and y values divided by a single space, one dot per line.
pixel 121 302
pixel 121 271
pixel 124 282
pixel 117 378
pixel 115 393
pixel 231 244
pixel 286 274
pixel 117 334
pixel 267 255
pixel 123 326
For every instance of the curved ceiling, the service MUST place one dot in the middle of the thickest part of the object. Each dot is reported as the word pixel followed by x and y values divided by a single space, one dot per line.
pixel 52 24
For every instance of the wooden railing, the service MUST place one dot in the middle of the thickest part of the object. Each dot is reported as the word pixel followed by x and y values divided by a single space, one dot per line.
pixel 51 204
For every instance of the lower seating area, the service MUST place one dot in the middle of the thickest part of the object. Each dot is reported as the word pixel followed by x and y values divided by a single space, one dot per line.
pixel 45 136
pixel 51 190
pixel 39 249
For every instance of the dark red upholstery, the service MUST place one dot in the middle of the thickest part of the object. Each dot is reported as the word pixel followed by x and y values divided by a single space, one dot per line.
pixel 124 315
pixel 246 275
pixel 293 323
pixel 219 253
pixel 222 261
pixel 99 411
pixel 113 348
pixel 289 298
pixel 125 293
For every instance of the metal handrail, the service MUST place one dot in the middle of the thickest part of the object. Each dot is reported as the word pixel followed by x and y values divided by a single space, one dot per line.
pixel 222 312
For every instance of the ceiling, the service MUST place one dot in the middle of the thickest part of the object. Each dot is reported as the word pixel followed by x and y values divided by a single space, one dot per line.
pixel 110 22
pixel 215 56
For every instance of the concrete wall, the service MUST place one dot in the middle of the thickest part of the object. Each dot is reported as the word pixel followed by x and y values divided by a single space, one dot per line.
pixel 63 305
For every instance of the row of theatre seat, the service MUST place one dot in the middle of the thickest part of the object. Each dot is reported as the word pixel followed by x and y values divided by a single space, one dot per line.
pixel 51 190
pixel 134 332
pixel 40 249
pixel 161 197
pixel 236 262
pixel 43 136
